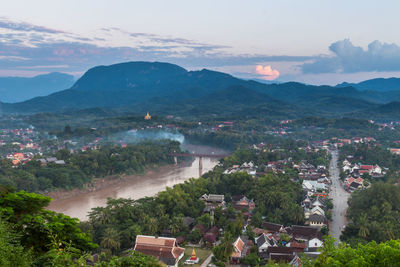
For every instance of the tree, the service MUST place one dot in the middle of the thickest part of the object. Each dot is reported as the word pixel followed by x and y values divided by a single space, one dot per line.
pixel 134 259
pixel 224 250
pixel 363 224
pixel 370 254
pixel 12 253
pixel 111 239
pixel 256 220
pixel 38 227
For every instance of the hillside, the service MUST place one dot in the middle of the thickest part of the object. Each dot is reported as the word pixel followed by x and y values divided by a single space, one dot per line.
pixel 17 89
pixel 164 87
pixel 379 85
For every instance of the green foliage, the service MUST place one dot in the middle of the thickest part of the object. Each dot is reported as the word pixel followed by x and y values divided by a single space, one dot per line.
pixel 39 229
pixel 370 254
pixel 374 214
pixel 251 259
pixel 223 251
pixel 82 167
pixel 12 253
pixel 134 259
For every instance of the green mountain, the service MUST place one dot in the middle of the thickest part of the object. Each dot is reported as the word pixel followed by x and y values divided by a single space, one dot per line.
pixel 17 89
pixel 379 85
pixel 164 87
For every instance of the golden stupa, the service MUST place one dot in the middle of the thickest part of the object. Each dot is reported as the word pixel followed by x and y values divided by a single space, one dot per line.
pixel 147 117
pixel 193 258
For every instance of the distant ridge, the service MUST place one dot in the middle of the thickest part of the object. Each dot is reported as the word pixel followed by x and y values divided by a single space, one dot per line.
pixel 378 84
pixel 140 86
pixel 17 89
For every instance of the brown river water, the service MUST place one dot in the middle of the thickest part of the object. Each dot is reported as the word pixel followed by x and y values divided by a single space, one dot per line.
pixel 134 186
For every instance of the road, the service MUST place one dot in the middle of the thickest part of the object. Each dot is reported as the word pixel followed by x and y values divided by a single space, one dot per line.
pixel 340 197
pixel 207 261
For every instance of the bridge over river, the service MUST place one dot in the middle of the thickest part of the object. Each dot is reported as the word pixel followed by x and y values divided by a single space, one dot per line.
pixel 200 156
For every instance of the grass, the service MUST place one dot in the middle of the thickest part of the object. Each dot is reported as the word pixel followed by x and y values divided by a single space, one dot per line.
pixel 200 253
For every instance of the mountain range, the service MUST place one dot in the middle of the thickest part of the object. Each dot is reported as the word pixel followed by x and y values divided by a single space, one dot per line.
pixel 168 88
pixel 17 89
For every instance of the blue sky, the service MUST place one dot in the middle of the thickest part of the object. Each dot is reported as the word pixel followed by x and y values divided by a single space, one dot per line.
pixel 312 41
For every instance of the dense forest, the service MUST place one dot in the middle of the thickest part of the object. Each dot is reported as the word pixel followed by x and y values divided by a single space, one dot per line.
pixel 373 214
pixel 81 167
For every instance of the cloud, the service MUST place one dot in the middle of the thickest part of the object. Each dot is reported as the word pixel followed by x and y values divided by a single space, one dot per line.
pixel 267 73
pixel 348 58
pixel 24 26
pixel 24 46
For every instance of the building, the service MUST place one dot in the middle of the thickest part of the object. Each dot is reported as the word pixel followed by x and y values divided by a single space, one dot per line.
pixel 164 249
pixel 265 241
pixel 147 117
pixel 238 250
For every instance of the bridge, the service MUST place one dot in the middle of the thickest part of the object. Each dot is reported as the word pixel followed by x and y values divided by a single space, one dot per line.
pixel 197 155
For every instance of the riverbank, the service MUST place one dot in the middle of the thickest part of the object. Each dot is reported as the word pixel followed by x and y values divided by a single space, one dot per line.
pixel 104 182
pixel 77 203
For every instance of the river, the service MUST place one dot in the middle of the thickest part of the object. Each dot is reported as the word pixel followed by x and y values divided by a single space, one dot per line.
pixel 137 186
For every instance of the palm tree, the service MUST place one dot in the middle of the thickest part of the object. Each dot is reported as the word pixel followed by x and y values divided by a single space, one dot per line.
pixel 176 224
pixel 111 239
pixel 152 225
pixel 363 223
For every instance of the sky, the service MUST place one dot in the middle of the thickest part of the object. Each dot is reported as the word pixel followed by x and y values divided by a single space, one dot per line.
pixel 310 41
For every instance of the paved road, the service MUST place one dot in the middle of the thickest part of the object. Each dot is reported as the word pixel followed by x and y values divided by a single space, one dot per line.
pixel 340 197
pixel 207 261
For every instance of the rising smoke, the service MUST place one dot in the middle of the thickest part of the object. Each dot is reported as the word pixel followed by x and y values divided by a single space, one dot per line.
pixel 137 136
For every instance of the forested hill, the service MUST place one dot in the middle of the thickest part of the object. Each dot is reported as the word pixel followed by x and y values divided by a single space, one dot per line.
pixel 164 87
pixel 16 89
pixel 379 84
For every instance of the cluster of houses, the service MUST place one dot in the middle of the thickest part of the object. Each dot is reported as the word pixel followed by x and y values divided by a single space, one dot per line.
pixel 355 172
pixel 45 161
pixel 273 241
pixel 316 181
pixel 248 167
pixel 279 243
pixel 316 184
pixel 22 144
pixel 20 158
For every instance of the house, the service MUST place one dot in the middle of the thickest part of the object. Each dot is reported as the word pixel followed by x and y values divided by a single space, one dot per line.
pixel 315 243
pixel 238 249
pixel 304 233
pixel 317 210
pixel 317 220
pixel 352 184
pixel 213 201
pixel 281 254
pixel 51 159
pixel 310 185
pixel 272 227
pixel 306 202
pixel 395 151
pixel 241 202
pixel 317 203
pixel 265 241
pixel 164 249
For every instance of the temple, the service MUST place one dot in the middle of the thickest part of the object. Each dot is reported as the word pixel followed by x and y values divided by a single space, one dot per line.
pixel 147 117
pixel 193 259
